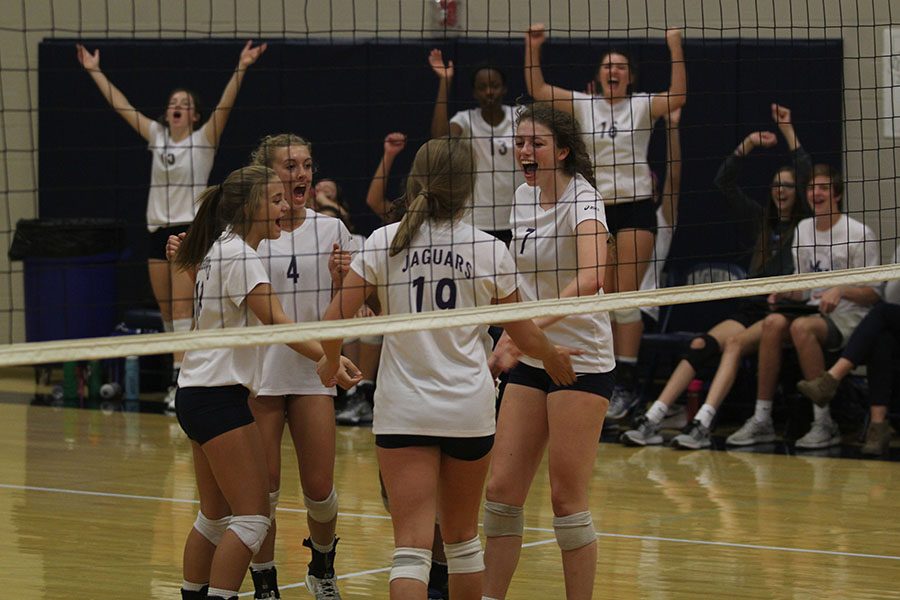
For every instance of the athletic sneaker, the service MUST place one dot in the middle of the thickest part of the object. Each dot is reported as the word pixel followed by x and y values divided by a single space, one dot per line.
pixel 324 588
pixel 265 584
pixel 622 401
pixel 694 437
pixel 752 432
pixel 822 434
pixel 645 433
pixel 170 401
pixel 195 595
pixel 676 418
pixel 357 412
pixel 320 579
pixel 820 390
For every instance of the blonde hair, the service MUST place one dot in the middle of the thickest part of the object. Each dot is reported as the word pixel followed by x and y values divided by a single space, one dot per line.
pixel 439 187
pixel 264 154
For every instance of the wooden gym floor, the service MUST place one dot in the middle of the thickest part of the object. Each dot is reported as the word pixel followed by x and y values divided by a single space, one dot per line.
pixel 96 505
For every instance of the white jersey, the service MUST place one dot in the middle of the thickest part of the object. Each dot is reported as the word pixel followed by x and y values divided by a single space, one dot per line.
pixel 617 137
pixel 654 274
pixel 496 174
pixel 229 272
pixel 178 175
pixel 297 263
pixel 848 244
pixel 547 261
pixel 436 382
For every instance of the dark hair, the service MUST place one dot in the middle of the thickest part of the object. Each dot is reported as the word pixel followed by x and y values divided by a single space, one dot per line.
pixel 231 203
pixel 195 99
pixel 837 181
pixel 482 66
pixel 439 186
pixel 566 134
pixel 772 221
pixel 632 67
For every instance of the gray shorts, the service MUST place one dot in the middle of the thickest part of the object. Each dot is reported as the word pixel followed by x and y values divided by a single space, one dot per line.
pixel 840 327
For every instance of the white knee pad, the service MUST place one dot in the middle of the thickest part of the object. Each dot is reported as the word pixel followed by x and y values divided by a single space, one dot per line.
pixel 411 563
pixel 371 340
pixel 626 315
pixel 502 520
pixel 465 557
pixel 211 529
pixel 273 502
pixel 251 530
pixel 574 531
pixel 322 511
pixel 182 324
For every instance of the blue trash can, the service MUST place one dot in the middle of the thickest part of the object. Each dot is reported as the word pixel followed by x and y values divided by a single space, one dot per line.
pixel 70 276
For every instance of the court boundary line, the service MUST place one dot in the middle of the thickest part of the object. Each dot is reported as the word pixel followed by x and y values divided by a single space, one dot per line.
pixel 649 538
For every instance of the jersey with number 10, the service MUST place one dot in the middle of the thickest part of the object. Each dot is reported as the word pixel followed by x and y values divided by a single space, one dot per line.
pixel 547 261
pixel 436 382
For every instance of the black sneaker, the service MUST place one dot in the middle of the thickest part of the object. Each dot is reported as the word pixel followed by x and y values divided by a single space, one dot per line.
pixel 195 594
pixel 265 584
pixel 320 579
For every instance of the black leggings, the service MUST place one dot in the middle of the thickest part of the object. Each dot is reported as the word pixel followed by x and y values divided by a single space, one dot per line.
pixel 875 342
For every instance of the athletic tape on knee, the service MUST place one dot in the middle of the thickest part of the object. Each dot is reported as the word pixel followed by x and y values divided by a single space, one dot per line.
pixel 465 557
pixel 211 529
pixel 707 356
pixel 411 563
pixel 322 511
pixel 182 324
pixel 574 531
pixel 371 340
pixel 273 502
pixel 251 530
pixel 625 316
pixel 503 520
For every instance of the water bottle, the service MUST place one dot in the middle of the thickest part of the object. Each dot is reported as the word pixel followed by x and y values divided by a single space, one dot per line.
pixel 694 399
pixel 132 378
pixel 70 381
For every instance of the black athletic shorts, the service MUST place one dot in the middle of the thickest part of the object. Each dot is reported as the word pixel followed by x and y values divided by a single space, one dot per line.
pixel 468 449
pixel 207 412
pixel 504 235
pixel 600 384
pixel 750 310
pixel 159 238
pixel 640 214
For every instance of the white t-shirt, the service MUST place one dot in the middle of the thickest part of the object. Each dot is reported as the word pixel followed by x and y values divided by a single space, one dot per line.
pixel 617 137
pixel 229 272
pixel 496 175
pixel 847 245
pixel 436 382
pixel 178 175
pixel 547 261
pixel 297 263
pixel 653 275
pixel 892 288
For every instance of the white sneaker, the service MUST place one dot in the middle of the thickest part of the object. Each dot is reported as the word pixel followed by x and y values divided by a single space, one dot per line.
pixel 323 589
pixel 621 403
pixel 822 434
pixel 752 432
pixel 644 433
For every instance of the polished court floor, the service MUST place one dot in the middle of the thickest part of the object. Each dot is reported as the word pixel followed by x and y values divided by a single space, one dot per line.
pixel 96 505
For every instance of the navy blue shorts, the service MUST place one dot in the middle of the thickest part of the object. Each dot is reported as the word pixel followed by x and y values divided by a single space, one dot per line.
pixel 207 412
pixel 600 384
pixel 468 449
pixel 640 214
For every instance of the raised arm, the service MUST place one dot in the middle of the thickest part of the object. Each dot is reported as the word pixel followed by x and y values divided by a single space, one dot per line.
pixel 440 121
pixel 743 207
pixel 216 123
pixel 800 157
pixel 394 143
pixel 672 186
pixel 676 96
pixel 534 77
pixel 91 63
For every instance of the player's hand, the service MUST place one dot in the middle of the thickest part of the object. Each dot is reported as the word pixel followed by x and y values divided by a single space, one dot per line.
pixel 559 365
pixel 348 374
pixel 327 371
pixel 250 55
pixel 338 263
pixel 173 244
pixel 505 356
pixel 764 139
pixel 536 35
pixel 781 115
pixel 91 62
pixel 442 70
pixel 830 299
pixel 394 143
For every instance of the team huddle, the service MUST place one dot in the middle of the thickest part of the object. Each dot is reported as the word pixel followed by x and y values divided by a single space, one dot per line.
pixel 552 200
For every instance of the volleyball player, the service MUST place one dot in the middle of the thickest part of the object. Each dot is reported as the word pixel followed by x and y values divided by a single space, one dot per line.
pixel 434 409
pixel 183 156
pixel 489 128
pixel 723 347
pixel 232 290
pixel 617 125
pixel 559 243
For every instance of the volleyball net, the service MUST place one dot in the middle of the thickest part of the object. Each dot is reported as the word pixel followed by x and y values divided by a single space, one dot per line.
pixel 344 75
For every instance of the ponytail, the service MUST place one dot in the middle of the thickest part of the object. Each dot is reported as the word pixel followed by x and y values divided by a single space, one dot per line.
pixel 205 230
pixel 416 214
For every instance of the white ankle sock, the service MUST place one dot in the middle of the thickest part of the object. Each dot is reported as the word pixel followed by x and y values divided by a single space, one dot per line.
pixel 821 414
pixel 705 415
pixel 254 566
pixel 657 412
pixel 763 412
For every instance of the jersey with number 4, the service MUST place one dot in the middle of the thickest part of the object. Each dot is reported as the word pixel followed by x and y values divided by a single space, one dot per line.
pixel 228 273
pixel 297 263
pixel 547 261
pixel 436 382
